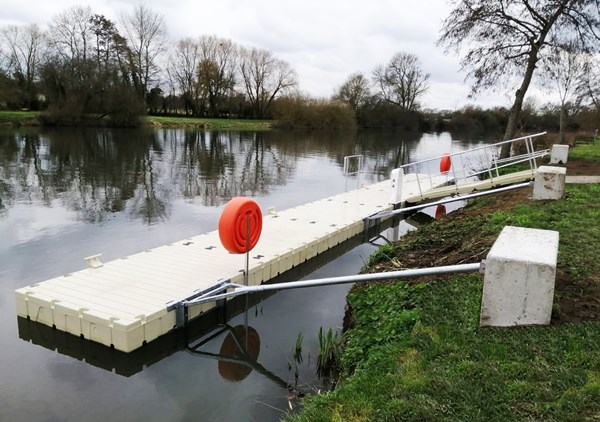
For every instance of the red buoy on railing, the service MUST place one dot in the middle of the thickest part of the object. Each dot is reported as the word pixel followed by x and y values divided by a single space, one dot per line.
pixel 445 163
pixel 240 225
pixel 440 211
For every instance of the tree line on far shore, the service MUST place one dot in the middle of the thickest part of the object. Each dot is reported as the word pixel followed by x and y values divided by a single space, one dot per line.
pixel 87 69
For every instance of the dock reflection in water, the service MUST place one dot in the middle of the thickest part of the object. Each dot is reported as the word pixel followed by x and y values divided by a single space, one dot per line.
pixel 128 364
pixel 237 357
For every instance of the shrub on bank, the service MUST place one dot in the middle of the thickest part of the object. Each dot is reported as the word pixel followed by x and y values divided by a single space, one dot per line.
pixel 305 113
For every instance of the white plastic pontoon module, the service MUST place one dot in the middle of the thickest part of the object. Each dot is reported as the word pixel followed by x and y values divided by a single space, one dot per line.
pixel 123 303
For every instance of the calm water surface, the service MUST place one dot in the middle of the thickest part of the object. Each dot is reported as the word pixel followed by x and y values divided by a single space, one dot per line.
pixel 67 194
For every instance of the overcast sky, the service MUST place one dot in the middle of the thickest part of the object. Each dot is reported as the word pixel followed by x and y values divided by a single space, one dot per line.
pixel 323 40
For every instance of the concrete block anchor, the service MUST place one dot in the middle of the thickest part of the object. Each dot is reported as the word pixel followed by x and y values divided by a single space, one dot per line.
pixel 549 183
pixel 520 273
pixel 559 154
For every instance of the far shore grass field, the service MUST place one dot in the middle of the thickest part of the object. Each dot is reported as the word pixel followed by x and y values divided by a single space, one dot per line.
pixel 30 118
pixel 415 351
pixel 233 124
pixel 19 118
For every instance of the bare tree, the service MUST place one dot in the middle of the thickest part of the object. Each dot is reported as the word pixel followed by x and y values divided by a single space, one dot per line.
pixel 217 71
pixel 70 33
pixel 204 72
pixel 563 70
pixel 355 91
pixel 146 36
pixel 402 81
pixel 183 70
pixel 24 47
pixel 264 78
pixel 589 83
pixel 89 71
pixel 506 38
pixel 68 72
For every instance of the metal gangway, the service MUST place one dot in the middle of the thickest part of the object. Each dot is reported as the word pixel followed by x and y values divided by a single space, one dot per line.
pixel 472 170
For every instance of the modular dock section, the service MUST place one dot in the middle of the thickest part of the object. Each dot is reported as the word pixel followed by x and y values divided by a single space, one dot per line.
pixel 124 303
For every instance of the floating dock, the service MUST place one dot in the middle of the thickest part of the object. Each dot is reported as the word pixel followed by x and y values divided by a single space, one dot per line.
pixel 128 302
pixel 125 303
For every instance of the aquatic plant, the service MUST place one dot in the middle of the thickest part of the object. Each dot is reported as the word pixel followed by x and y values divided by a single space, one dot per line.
pixel 330 352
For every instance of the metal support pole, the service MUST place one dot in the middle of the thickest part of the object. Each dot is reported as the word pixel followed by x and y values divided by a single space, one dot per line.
pixel 403 274
pixel 180 316
pixel 386 214
pixel 247 277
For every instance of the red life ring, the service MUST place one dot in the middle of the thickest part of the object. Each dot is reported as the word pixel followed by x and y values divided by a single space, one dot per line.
pixel 445 163
pixel 233 224
pixel 440 211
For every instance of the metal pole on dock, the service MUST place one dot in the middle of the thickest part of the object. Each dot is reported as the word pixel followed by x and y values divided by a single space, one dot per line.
pixel 246 278
pixel 402 274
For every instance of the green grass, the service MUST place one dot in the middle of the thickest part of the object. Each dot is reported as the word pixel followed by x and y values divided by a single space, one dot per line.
pixel 19 118
pixel 416 352
pixel 447 368
pixel 30 118
pixel 234 124
pixel 586 152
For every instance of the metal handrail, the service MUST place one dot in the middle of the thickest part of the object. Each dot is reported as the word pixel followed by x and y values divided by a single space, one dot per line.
pixel 464 168
pixel 359 166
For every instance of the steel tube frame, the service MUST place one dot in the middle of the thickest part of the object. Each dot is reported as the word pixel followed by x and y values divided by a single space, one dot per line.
pixel 386 214
pixel 413 273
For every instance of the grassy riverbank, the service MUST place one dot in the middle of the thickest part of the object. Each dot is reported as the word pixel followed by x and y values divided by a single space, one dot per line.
pixel 19 118
pixel 30 118
pixel 217 124
pixel 416 351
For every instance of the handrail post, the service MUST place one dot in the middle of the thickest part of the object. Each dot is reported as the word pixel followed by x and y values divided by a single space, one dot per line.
pixel 453 167
pixel 396 177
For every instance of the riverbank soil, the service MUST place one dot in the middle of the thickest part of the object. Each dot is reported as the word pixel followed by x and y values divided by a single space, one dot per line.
pixel 414 349
pixel 577 299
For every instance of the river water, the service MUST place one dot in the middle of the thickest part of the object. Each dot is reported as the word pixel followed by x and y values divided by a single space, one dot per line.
pixel 70 193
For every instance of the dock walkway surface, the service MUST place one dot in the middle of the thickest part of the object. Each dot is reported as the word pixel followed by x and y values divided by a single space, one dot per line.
pixel 124 303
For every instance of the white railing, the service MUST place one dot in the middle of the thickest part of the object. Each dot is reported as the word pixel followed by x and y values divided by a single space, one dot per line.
pixel 353 166
pixel 477 163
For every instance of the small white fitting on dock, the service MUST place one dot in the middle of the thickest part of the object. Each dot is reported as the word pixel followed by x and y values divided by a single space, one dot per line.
pixel 559 154
pixel 93 261
pixel 549 183
pixel 520 273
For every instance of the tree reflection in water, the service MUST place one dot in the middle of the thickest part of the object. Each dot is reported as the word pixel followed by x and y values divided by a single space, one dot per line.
pixel 101 172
